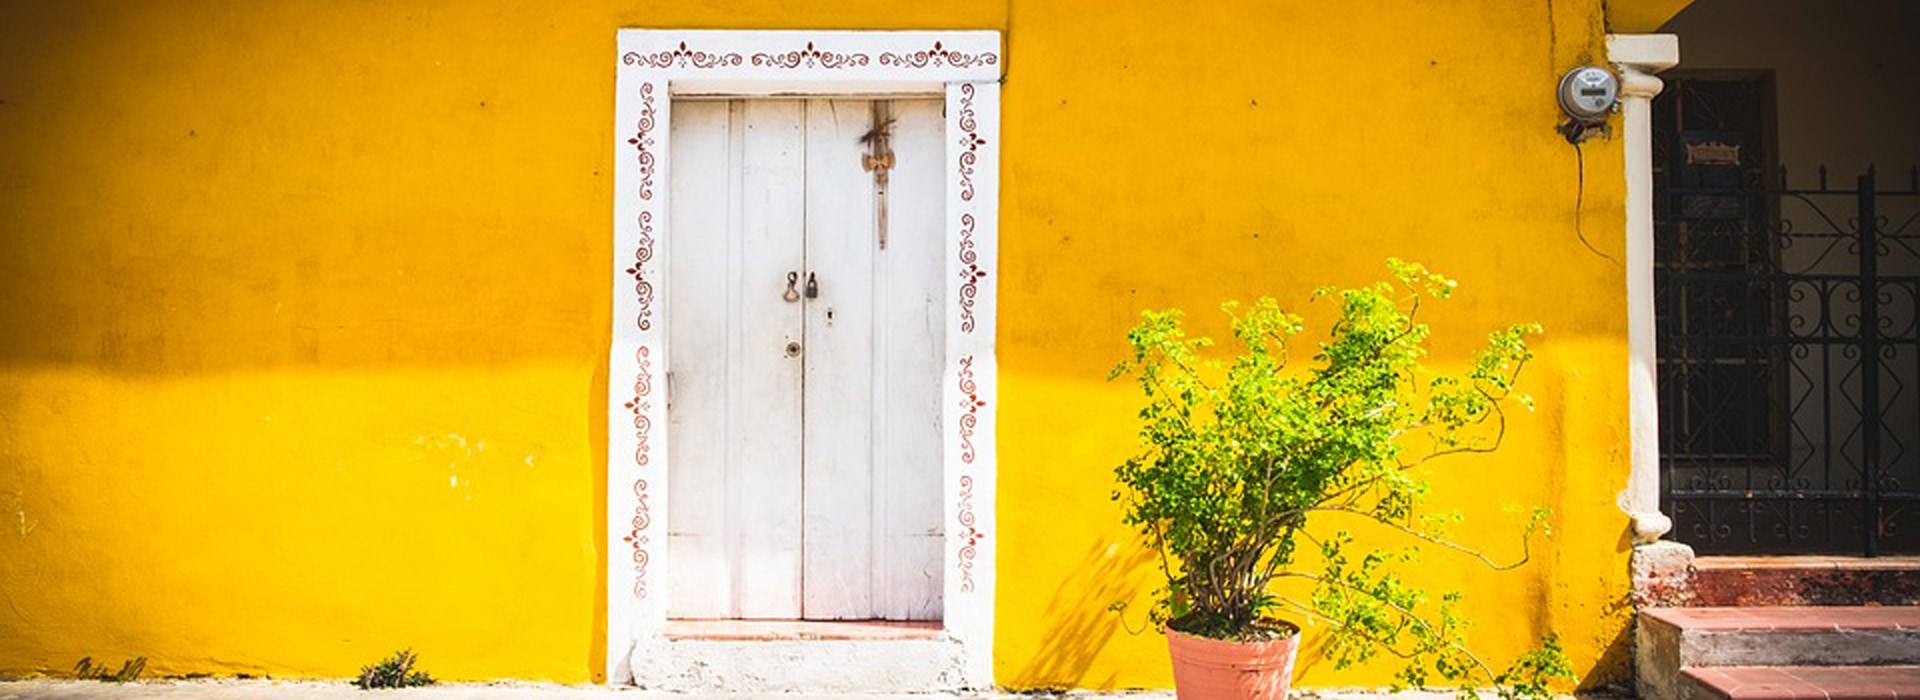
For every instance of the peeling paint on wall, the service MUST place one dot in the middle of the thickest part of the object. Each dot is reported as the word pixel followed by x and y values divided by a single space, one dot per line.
pixel 14 506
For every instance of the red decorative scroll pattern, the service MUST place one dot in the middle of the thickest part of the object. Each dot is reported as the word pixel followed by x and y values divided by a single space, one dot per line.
pixel 970 142
pixel 642 141
pixel 970 275
pixel 681 58
pixel 641 404
pixel 643 252
pixel 969 536
pixel 937 56
pixel 971 404
pixel 811 58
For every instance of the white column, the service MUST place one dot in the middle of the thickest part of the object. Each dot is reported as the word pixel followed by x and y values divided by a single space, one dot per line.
pixel 1637 57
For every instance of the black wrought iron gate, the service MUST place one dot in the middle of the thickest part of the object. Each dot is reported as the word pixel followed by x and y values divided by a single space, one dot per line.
pixel 1789 355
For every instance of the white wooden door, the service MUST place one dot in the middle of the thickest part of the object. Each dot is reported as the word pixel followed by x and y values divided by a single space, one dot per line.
pixel 805 361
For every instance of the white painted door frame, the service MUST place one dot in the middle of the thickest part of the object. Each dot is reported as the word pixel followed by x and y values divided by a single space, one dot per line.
pixel 964 67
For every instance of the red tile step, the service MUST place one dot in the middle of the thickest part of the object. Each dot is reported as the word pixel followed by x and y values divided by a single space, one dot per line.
pixel 1805 580
pixel 1866 617
pixel 1805 682
pixel 1670 640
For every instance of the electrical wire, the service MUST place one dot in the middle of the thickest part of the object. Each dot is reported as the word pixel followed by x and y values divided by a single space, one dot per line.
pixel 1579 205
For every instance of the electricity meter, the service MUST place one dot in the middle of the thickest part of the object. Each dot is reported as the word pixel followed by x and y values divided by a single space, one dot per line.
pixel 1588 93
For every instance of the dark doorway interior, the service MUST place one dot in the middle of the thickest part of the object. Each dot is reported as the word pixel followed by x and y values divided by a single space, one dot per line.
pixel 1786 332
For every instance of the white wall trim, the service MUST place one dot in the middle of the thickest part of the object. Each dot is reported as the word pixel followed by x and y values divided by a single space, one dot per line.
pixel 654 65
pixel 1637 57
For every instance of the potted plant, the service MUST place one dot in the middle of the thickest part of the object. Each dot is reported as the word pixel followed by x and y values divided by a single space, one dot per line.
pixel 1239 457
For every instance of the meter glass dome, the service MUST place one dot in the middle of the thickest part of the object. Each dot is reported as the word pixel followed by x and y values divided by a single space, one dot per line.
pixel 1588 93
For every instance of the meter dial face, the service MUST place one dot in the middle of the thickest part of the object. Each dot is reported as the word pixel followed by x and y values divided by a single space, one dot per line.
pixel 1588 93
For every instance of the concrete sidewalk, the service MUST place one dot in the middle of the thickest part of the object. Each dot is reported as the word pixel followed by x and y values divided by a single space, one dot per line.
pixel 343 690
pixel 226 689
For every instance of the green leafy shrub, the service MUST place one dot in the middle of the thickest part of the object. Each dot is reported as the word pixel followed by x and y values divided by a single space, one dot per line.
pixel 130 670
pixel 1238 457
pixel 393 672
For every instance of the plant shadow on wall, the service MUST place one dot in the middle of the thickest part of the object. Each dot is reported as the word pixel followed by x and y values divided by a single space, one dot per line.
pixel 1079 619
pixel 1239 457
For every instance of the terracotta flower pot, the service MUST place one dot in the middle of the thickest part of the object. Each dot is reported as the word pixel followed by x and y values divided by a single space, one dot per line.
pixel 1211 669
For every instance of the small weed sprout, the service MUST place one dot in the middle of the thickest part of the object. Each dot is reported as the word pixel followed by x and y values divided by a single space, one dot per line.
pixel 393 672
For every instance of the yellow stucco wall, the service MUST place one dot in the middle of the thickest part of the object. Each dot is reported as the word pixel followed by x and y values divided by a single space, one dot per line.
pixel 1642 16
pixel 1182 156
pixel 306 307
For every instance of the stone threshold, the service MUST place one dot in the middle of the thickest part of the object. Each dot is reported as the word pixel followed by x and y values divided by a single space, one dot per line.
pixel 775 630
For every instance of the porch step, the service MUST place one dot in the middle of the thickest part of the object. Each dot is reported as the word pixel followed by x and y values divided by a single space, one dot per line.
pixel 1722 581
pixel 1675 642
pixel 1780 636
pixel 1796 682
pixel 726 664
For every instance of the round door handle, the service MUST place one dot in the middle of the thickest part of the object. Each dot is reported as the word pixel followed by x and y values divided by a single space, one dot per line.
pixel 793 349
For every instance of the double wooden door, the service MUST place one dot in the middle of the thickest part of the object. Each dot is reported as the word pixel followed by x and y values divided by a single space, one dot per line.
pixel 805 342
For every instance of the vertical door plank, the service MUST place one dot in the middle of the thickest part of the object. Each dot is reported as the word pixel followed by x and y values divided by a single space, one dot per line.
pixel 840 363
pixel 766 404
pixel 911 325
pixel 697 273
